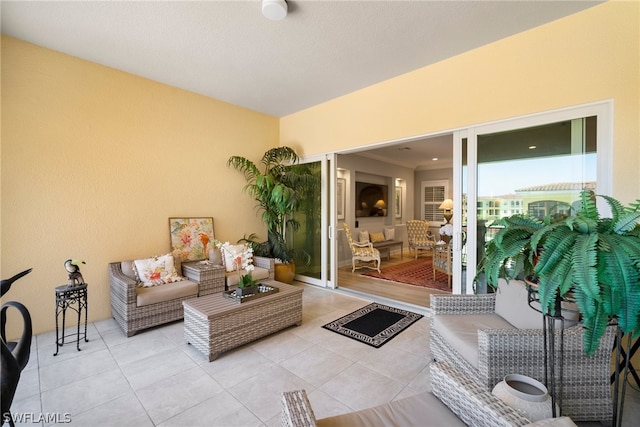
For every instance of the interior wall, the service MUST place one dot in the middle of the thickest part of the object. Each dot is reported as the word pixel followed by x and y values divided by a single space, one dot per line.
pixel 590 56
pixel 359 168
pixel 95 161
pixel 354 167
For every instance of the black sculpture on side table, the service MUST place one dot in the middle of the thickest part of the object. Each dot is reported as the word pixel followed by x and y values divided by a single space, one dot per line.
pixel 15 355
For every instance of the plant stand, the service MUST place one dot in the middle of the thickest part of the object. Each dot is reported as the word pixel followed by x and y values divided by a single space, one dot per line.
pixel 622 365
pixel 549 324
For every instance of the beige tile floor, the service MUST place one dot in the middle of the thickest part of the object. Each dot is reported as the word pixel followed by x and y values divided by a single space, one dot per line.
pixel 156 379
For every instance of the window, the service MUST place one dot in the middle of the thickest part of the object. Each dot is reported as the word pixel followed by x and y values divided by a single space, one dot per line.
pixel 433 194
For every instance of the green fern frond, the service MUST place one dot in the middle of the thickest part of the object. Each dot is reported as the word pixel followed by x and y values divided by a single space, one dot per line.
pixel 555 246
pixel 626 222
pixel 588 207
pixel 634 206
pixel 584 264
pixel 617 208
pixel 524 221
pixel 594 328
pixel 630 245
pixel 622 274
pixel 548 289
pixel 582 224
pixel 539 235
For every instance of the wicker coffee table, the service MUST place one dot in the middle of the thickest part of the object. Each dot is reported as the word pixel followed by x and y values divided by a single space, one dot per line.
pixel 214 324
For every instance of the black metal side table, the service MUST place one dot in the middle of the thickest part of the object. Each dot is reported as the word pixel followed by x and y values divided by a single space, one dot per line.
pixel 74 298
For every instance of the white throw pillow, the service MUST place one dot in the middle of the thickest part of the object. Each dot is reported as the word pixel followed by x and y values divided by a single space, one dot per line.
pixel 389 233
pixel 363 236
pixel 156 270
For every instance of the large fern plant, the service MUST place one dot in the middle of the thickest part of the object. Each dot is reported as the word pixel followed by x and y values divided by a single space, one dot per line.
pixel 596 259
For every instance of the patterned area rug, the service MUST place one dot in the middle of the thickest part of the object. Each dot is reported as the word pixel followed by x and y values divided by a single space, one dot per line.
pixel 417 272
pixel 374 324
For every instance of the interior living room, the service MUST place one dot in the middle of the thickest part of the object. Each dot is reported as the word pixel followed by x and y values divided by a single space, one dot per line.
pixel 117 116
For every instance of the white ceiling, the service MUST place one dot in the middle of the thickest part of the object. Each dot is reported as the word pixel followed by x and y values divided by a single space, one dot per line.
pixel 227 50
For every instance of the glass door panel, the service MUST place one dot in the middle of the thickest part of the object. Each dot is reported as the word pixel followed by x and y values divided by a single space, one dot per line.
pixel 308 236
pixel 538 170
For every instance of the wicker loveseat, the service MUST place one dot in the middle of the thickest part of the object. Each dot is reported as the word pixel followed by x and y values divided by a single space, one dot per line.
pixel 135 307
pixel 462 401
pixel 468 332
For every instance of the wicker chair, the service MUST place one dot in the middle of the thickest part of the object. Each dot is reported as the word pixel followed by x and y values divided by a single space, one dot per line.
pixel 166 308
pixel 471 403
pixel 585 391
pixel 362 252
pixel 419 236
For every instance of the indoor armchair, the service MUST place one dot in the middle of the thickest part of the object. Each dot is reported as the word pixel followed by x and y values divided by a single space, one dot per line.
pixel 362 252
pixel 419 236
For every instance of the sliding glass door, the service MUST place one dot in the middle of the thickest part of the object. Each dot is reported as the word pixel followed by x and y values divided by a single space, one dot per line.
pixel 535 165
pixel 315 218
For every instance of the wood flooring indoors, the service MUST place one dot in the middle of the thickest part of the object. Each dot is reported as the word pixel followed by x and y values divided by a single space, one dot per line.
pixel 385 288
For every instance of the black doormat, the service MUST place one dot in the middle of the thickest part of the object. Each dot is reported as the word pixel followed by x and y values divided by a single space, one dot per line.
pixel 374 324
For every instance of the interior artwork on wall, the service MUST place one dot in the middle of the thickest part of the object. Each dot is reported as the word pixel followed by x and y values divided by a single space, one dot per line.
pixel 341 184
pixel 191 238
pixel 398 202
pixel 371 199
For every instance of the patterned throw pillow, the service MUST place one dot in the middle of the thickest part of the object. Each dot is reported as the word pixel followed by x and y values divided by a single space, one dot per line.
pixel 231 253
pixel 156 271
pixel 376 237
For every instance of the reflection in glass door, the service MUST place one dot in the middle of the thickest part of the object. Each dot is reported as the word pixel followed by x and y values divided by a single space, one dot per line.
pixel 308 236
pixel 538 170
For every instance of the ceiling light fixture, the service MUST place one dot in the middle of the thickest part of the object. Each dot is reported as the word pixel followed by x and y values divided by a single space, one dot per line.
pixel 532 147
pixel 275 10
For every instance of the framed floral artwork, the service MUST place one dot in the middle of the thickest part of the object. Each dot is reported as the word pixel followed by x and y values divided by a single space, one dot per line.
pixel 191 238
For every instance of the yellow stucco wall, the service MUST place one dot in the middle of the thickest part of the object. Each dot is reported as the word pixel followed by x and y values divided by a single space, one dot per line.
pixel 95 161
pixel 590 56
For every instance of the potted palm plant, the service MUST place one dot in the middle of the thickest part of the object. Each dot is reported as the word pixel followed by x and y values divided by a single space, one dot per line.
pixel 596 259
pixel 279 188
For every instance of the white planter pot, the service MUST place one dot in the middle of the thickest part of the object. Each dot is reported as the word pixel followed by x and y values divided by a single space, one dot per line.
pixel 526 395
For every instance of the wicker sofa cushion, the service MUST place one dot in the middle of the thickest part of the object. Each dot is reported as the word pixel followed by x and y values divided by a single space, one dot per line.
pixel 166 292
pixel 418 410
pixel 258 273
pixel 461 332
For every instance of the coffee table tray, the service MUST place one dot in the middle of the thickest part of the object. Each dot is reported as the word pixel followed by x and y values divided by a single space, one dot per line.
pixel 263 291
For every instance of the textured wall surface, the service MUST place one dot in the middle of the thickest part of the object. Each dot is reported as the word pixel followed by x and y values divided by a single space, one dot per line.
pixel 95 161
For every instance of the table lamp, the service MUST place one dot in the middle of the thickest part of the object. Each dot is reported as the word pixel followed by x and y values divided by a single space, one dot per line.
pixel 447 206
